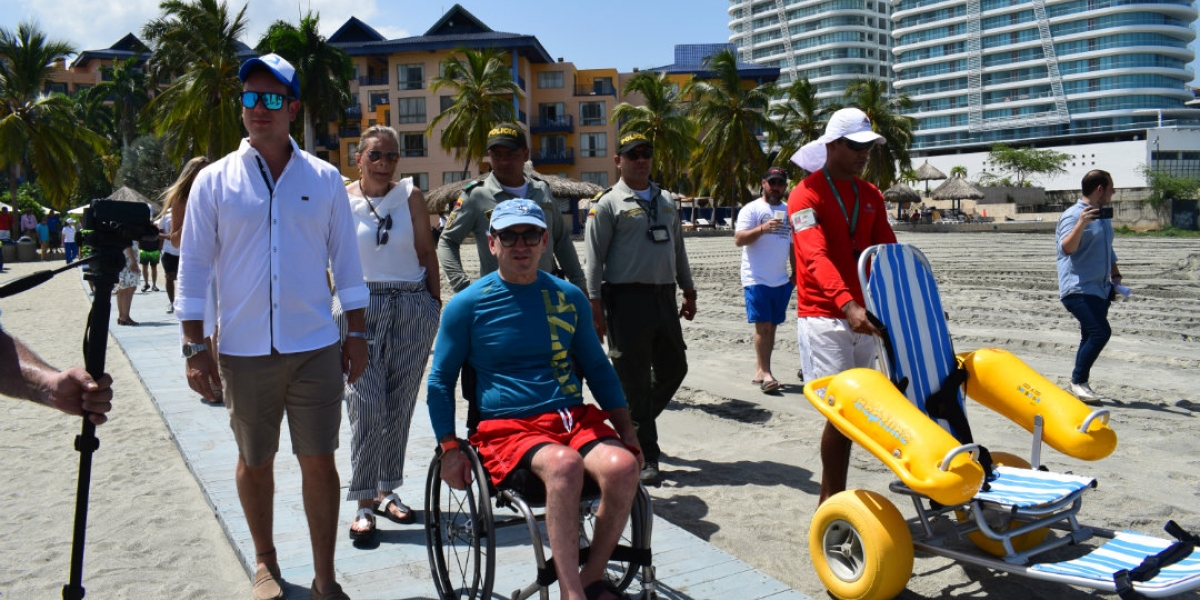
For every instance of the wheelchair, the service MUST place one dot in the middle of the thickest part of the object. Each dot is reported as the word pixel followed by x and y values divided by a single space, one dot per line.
pixel 462 530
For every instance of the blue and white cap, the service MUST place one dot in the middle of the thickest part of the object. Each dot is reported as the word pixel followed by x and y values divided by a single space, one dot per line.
pixel 517 212
pixel 281 69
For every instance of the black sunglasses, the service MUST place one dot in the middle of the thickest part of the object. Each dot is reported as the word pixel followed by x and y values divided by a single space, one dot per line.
pixel 856 146
pixel 508 239
pixel 636 154
pixel 381 232
pixel 375 155
pixel 270 100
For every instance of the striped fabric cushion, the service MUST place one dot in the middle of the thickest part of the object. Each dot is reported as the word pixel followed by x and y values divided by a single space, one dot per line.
pixel 1125 551
pixel 1024 488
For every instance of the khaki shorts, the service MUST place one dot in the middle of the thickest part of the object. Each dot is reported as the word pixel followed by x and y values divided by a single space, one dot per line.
pixel 307 386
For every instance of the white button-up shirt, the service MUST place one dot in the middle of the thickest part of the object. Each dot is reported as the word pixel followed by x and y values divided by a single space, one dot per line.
pixel 268 253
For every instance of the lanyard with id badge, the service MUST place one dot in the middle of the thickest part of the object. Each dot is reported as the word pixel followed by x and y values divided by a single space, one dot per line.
pixel 657 233
pixel 851 219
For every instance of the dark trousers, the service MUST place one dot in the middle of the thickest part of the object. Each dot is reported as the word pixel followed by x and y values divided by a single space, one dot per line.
pixel 645 343
pixel 1092 314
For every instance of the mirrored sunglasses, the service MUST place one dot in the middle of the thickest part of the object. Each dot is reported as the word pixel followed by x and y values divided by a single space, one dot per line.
pixel 375 155
pixel 269 100
pixel 508 239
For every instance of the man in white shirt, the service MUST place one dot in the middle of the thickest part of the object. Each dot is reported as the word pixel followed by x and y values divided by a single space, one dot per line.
pixel 763 234
pixel 282 216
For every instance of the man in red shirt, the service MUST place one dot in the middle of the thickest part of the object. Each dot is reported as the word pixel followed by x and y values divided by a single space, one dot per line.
pixel 834 217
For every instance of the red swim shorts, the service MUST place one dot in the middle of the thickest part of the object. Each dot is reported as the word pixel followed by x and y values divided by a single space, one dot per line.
pixel 503 442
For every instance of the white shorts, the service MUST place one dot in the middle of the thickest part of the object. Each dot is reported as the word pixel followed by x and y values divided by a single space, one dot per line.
pixel 828 347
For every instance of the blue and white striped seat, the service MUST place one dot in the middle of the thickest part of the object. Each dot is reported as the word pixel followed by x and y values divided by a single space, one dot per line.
pixel 1125 551
pixel 1026 488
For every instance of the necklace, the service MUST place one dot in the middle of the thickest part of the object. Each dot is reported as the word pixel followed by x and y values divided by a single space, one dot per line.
pixel 370 204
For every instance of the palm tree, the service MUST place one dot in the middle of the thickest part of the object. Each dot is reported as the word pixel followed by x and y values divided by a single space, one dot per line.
pixel 732 118
pixel 663 119
pixel 324 70
pixel 195 46
pixel 483 97
pixel 888 160
pixel 35 128
pixel 801 117
pixel 125 87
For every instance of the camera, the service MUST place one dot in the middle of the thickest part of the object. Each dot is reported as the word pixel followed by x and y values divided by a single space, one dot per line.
pixel 110 226
pixel 1106 212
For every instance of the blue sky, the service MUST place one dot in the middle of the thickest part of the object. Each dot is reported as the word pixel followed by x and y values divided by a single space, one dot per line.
pixel 612 33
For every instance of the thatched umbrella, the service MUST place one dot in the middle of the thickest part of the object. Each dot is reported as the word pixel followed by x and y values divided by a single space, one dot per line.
pixel 929 172
pixel 440 198
pixel 957 189
pixel 901 194
pixel 128 194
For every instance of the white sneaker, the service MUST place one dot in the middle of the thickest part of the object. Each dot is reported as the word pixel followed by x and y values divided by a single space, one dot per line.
pixel 1084 392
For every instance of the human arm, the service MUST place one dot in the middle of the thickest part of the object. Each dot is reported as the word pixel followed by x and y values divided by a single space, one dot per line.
pixel 25 376
pixel 450 353
pixel 1072 227
pixel 748 230
pixel 201 369
pixel 459 224
pixel 564 247
pixel 815 241
pixel 346 267
pixel 597 236
pixel 423 243
pixel 683 273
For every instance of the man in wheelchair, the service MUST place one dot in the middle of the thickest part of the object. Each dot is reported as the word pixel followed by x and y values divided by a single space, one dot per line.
pixel 523 331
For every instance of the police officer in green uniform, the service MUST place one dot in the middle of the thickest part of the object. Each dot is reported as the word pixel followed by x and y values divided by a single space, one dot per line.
pixel 635 258
pixel 507 152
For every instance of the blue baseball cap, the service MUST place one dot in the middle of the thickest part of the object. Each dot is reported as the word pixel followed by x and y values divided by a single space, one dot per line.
pixel 281 69
pixel 517 212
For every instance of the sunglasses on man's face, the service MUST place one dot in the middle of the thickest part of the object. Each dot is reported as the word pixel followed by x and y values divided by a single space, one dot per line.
pixel 508 238
pixel 636 154
pixel 375 155
pixel 857 146
pixel 270 100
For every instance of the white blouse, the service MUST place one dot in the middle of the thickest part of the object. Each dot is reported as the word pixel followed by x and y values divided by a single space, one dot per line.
pixel 397 259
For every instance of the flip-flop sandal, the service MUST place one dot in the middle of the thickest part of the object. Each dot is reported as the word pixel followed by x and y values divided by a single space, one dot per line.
pixel 382 509
pixel 771 386
pixel 363 535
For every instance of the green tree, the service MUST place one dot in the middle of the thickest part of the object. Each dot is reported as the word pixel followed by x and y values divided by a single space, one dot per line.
pixel 1023 164
pixel 125 87
pixel 1166 186
pixel 885 111
pixel 663 119
pixel 801 118
pixel 195 47
pixel 146 168
pixel 324 70
pixel 483 98
pixel 731 158
pixel 958 171
pixel 37 129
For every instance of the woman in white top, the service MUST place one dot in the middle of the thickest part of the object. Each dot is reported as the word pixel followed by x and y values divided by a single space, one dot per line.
pixel 400 266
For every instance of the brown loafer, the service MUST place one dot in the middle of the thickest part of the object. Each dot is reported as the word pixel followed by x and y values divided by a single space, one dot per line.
pixel 333 593
pixel 266 585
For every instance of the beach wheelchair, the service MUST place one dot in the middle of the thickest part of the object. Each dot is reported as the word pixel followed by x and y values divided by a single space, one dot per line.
pixel 911 415
pixel 463 530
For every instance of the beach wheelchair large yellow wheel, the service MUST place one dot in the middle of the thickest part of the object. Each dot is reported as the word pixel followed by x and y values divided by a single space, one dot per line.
pixel 1001 521
pixel 861 547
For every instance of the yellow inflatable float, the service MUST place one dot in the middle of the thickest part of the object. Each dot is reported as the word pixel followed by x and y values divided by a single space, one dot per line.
pixel 868 409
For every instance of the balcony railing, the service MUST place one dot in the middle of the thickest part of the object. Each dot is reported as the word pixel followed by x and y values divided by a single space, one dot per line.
pixel 350 132
pixel 596 89
pixel 521 82
pixel 522 117
pixel 554 156
pixel 377 80
pixel 563 124
pixel 329 142
pixel 354 112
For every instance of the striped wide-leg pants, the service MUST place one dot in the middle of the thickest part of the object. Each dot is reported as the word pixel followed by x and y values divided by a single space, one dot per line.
pixel 402 320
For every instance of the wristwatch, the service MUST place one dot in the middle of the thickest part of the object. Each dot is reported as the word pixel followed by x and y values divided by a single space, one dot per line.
pixel 190 350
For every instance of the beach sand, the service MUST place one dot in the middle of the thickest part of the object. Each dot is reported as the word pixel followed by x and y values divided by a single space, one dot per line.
pixel 741 468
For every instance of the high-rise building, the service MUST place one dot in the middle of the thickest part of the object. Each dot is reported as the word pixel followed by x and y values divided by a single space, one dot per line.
pixel 829 42
pixel 986 71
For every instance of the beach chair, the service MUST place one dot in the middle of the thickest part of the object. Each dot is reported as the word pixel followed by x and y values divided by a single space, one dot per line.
pixel 911 414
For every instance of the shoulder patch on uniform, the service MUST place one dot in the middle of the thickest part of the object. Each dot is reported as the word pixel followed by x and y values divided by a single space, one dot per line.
pixel 803 219
pixel 591 212
pixel 474 183
pixel 601 193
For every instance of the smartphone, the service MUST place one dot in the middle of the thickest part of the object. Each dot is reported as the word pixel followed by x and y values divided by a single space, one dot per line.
pixel 1106 212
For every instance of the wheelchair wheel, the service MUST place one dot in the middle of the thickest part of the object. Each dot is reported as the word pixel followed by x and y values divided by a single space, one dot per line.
pixel 861 547
pixel 635 535
pixel 1001 521
pixel 458 533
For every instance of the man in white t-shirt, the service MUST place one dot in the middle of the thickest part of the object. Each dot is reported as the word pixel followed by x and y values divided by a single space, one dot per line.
pixel 766 241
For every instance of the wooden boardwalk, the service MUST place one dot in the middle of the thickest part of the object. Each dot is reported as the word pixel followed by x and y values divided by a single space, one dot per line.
pixel 396 568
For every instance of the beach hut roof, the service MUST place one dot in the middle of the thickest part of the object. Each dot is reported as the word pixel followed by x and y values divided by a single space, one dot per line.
pixel 440 198
pixel 928 171
pixel 901 193
pixel 956 188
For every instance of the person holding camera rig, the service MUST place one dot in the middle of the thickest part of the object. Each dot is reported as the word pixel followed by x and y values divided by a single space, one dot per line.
pixel 1088 274
pixel 24 376
pixel 635 257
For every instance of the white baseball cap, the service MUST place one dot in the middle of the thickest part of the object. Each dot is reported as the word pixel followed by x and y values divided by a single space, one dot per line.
pixel 850 123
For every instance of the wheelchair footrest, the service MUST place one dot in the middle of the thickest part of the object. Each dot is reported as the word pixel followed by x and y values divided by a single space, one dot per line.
pixel 1125 552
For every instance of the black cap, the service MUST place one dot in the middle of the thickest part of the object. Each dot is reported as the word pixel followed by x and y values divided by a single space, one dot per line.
pixel 775 173
pixel 631 141
pixel 509 135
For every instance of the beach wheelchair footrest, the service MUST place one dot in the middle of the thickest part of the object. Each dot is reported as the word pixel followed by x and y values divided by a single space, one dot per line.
pixel 1125 552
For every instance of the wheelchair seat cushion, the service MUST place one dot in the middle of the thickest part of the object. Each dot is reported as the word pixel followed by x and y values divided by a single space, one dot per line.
pixel 1026 488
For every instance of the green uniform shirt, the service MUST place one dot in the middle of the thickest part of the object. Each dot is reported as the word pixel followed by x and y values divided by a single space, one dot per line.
pixel 618 247
pixel 472 213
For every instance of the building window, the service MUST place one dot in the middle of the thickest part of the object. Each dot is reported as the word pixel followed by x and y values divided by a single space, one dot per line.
pixel 449 177
pixel 410 77
pixel 351 153
pixel 420 180
pixel 551 112
pixel 599 178
pixel 594 145
pixel 377 98
pixel 412 110
pixel 550 79
pixel 591 113
pixel 444 103
pixel 412 145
